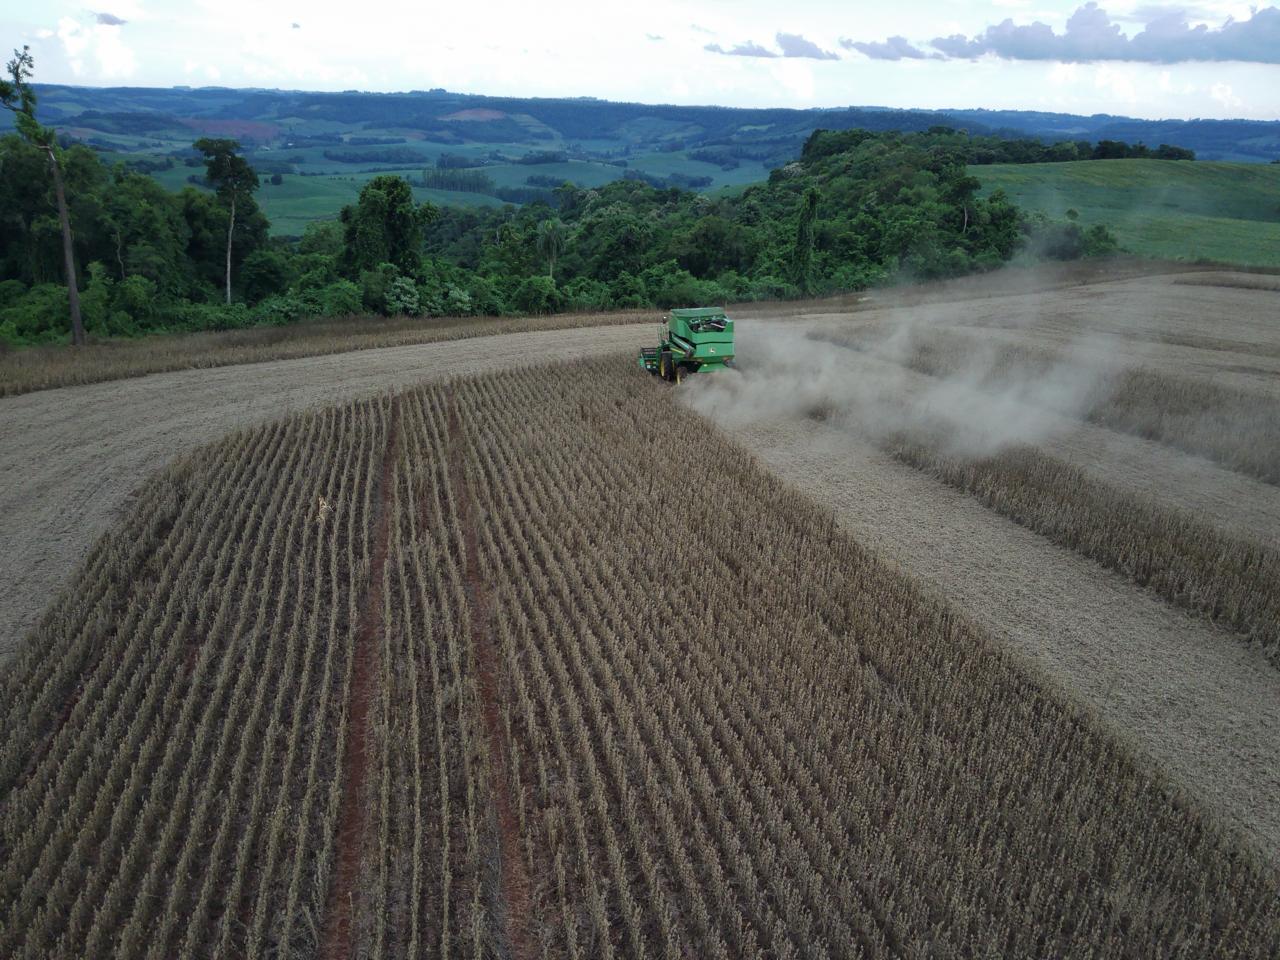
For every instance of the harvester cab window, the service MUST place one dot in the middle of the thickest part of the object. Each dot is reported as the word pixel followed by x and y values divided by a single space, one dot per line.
pixel 707 325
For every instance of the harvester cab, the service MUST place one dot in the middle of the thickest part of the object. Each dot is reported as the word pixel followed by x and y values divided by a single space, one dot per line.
pixel 692 341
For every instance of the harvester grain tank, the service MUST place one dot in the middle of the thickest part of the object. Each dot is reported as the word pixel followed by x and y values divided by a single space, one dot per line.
pixel 698 339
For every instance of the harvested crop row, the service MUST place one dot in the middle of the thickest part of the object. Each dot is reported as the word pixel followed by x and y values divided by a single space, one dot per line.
pixel 1225 578
pixel 1226 575
pixel 1237 428
pixel 717 726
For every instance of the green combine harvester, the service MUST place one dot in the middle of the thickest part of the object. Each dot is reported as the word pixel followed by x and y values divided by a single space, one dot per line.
pixel 699 339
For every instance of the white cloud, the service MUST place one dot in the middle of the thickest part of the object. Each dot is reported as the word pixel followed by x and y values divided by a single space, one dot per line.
pixel 1223 93
pixel 86 40
pixel 1064 74
pixel 577 47
pixel 74 42
pixel 1172 34
pixel 1117 82
pixel 128 9
pixel 796 78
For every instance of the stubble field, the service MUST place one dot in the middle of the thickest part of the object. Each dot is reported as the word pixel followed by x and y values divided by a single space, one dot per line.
pixel 538 663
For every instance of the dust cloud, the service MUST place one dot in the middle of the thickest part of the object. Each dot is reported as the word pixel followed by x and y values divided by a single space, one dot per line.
pixel 860 378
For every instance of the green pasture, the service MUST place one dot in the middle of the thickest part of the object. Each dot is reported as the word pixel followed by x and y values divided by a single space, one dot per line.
pixel 665 164
pixel 298 200
pixel 1177 210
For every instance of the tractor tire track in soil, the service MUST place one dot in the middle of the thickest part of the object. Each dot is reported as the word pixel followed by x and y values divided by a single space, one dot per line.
pixel 336 939
pixel 512 908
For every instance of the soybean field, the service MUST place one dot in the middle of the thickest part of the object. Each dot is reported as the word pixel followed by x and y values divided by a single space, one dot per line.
pixel 944 626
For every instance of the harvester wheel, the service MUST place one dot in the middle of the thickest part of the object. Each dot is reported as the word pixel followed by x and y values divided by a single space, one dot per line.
pixel 680 372
pixel 666 368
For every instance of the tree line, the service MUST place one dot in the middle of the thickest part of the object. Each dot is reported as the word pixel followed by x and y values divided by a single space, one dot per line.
pixel 119 255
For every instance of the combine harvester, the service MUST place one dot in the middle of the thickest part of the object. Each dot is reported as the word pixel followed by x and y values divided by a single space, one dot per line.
pixel 692 340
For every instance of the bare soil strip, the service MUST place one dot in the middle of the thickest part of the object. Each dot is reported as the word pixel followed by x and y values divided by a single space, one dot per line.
pixel 50 367
pixel 1184 693
pixel 513 907
pixel 337 936
pixel 70 458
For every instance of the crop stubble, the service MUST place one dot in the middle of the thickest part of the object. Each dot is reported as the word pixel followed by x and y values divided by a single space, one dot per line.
pixel 725 728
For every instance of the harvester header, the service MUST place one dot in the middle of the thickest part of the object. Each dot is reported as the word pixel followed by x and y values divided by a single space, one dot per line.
pixel 698 339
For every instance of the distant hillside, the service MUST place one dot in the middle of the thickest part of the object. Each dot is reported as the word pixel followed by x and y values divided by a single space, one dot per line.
pixel 433 122
pixel 1216 211
pixel 325 146
pixel 854 209
pixel 271 117
pixel 1247 141
pixel 315 151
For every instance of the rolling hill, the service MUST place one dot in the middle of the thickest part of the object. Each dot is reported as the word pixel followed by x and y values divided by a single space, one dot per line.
pixel 324 146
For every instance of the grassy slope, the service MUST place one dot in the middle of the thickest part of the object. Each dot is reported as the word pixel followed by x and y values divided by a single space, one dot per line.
pixel 1219 211
pixel 299 200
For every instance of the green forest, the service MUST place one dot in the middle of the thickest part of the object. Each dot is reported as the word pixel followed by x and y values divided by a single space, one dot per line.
pixel 856 208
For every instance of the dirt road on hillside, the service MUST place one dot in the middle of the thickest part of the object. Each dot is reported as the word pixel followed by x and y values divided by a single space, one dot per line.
pixel 70 458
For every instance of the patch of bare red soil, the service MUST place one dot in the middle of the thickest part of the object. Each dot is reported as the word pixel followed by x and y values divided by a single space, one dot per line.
pixel 336 940
pixel 514 910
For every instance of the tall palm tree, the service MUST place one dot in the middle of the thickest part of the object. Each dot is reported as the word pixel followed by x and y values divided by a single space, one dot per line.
pixel 551 237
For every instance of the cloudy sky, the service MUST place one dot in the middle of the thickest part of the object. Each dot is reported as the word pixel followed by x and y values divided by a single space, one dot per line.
pixel 1206 59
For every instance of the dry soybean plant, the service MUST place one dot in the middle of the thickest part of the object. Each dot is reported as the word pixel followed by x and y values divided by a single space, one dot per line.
pixel 172 728
pixel 596 685
pixel 1239 429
